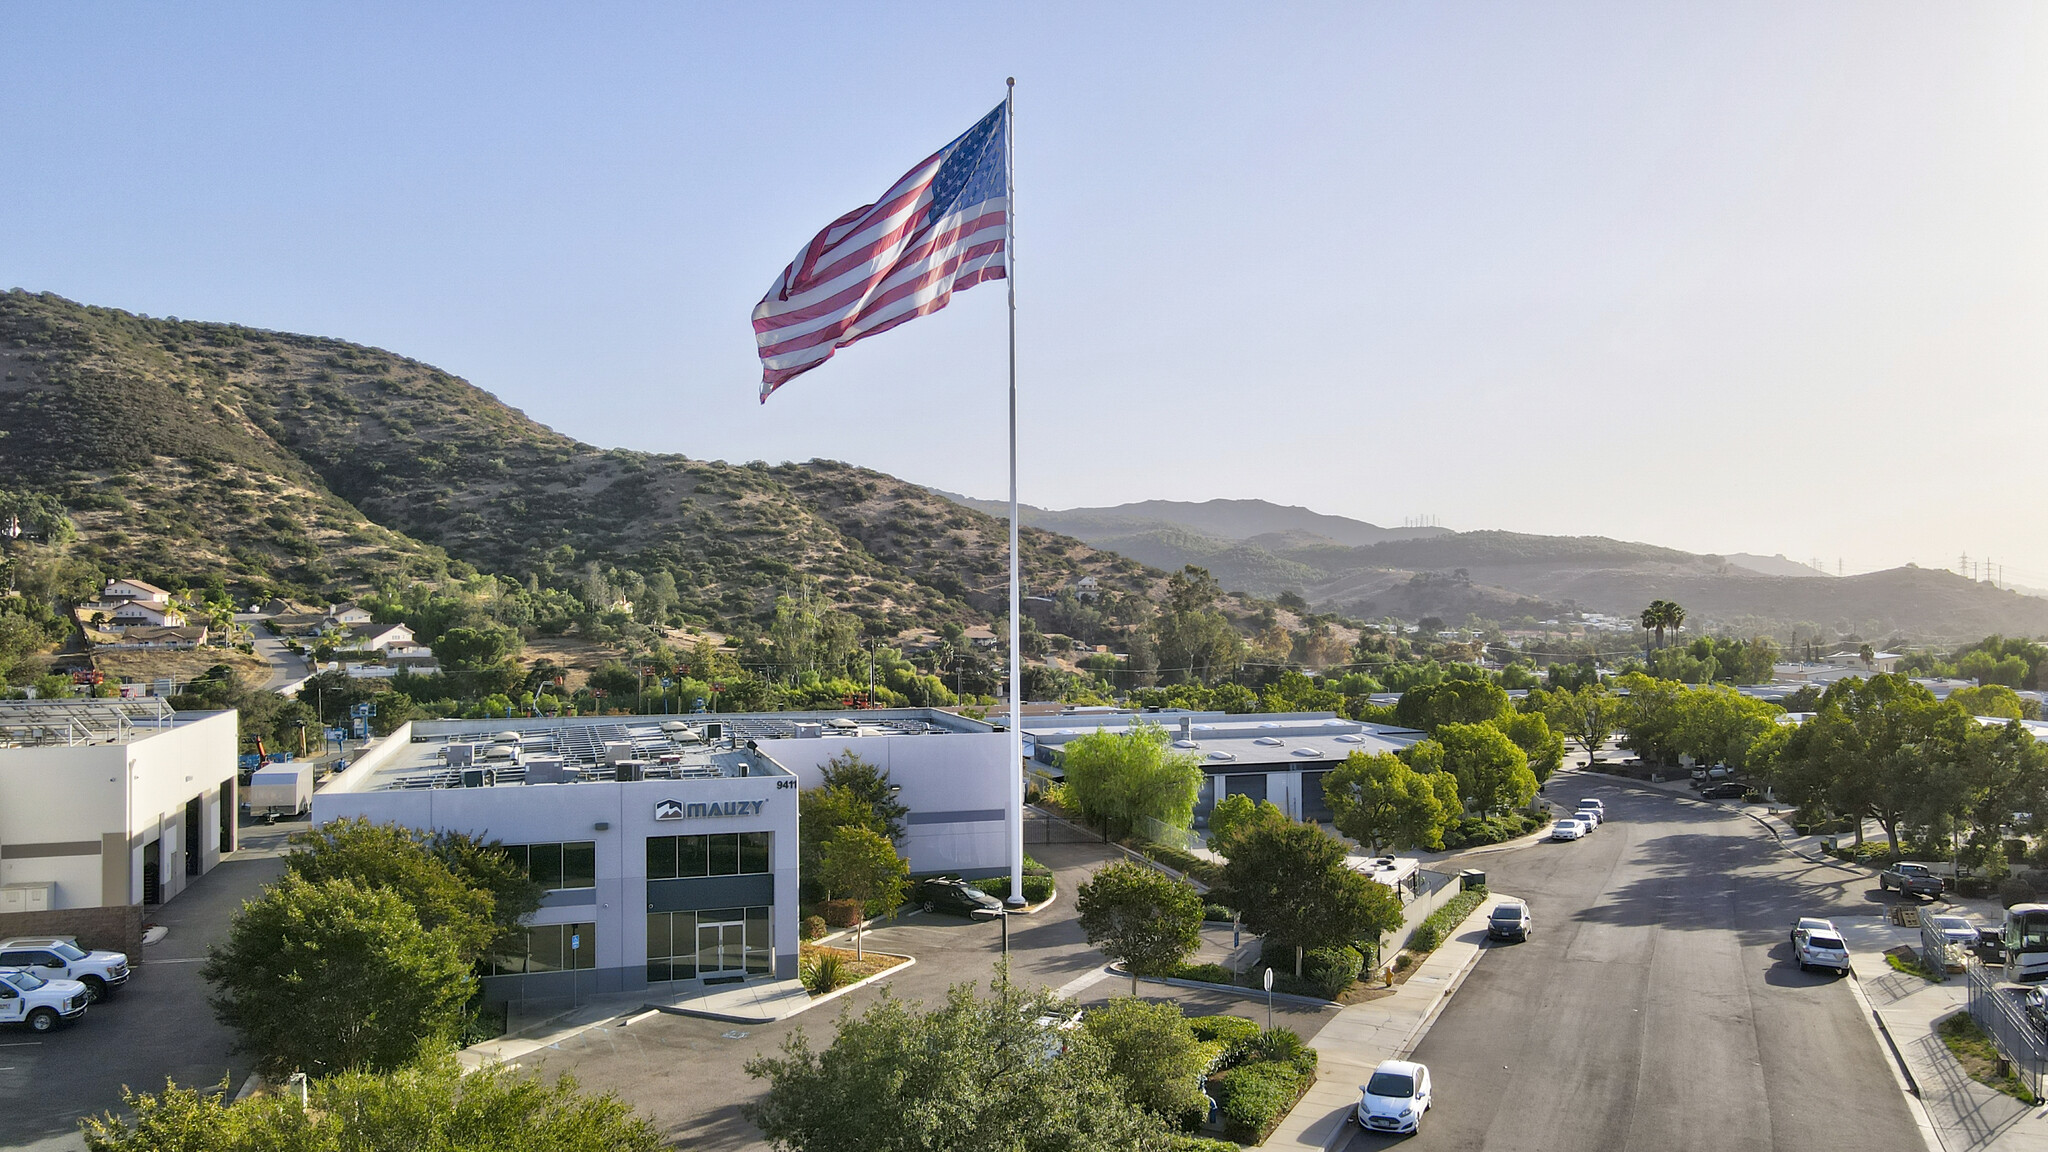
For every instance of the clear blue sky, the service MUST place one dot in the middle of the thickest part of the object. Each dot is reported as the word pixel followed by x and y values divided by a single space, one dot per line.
pixel 1765 277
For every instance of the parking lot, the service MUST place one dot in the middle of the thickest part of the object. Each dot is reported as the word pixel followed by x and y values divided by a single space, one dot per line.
pixel 158 1026
pixel 687 1073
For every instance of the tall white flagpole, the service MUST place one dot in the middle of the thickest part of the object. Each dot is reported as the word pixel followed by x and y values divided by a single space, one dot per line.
pixel 1016 768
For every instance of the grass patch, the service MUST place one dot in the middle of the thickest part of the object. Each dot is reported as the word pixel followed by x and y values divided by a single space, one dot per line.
pixel 1903 959
pixel 1973 1049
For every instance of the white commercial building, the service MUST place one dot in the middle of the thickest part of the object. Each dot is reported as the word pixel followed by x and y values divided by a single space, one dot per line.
pixel 108 805
pixel 1281 757
pixel 669 844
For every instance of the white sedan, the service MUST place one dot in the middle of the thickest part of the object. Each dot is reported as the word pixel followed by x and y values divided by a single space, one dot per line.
pixel 1395 1098
pixel 1567 829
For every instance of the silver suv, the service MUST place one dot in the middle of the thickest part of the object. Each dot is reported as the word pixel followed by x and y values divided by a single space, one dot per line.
pixel 60 958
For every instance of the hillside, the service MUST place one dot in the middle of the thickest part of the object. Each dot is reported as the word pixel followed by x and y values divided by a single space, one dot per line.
pixel 306 465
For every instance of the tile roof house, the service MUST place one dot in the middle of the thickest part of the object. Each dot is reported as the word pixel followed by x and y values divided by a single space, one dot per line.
pixel 135 590
pixel 148 613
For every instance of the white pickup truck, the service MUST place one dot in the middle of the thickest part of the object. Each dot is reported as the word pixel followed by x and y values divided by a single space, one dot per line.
pixel 60 958
pixel 26 998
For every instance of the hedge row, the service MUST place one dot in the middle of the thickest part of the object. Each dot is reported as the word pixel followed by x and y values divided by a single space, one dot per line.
pixel 1431 933
pixel 1037 889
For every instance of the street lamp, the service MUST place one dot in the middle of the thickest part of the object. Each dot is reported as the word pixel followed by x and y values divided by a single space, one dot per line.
pixel 1003 914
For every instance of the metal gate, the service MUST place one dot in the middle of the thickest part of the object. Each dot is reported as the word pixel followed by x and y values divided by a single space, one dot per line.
pixel 1999 1012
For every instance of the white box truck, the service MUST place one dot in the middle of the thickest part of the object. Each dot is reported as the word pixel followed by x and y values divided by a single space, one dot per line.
pixel 281 790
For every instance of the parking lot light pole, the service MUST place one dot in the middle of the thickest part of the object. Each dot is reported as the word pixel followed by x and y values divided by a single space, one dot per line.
pixel 1002 914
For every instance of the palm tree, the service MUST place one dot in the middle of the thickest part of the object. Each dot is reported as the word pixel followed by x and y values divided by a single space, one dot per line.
pixel 1662 614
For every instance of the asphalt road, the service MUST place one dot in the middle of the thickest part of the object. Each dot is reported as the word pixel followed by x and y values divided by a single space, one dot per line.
pixel 1656 1005
pixel 686 1073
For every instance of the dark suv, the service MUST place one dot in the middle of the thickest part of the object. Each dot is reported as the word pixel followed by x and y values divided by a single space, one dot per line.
pixel 954 895
pixel 1726 790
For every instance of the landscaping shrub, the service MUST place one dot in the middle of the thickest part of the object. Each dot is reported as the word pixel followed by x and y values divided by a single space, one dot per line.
pixel 840 913
pixel 1431 933
pixel 813 927
pixel 1284 1046
pixel 1473 831
pixel 1252 1097
pixel 1034 868
pixel 2015 891
pixel 1037 889
pixel 1215 912
pixel 821 972
pixel 1237 1034
pixel 1211 973
pixel 1181 861
pixel 1183 1143
pixel 1331 970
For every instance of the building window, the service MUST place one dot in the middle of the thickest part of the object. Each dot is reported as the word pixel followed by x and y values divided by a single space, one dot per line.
pixel 551 948
pixel 558 867
pixel 716 854
pixel 710 943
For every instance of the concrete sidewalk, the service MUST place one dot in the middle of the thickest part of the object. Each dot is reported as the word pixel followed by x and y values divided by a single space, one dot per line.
pixel 1957 1114
pixel 1362 1035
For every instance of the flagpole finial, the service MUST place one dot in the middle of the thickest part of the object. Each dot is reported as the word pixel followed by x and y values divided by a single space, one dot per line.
pixel 1011 81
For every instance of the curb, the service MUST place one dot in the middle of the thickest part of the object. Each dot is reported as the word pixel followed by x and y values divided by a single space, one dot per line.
pixel 1909 1088
pixel 1443 995
pixel 1299 1001
pixel 736 1018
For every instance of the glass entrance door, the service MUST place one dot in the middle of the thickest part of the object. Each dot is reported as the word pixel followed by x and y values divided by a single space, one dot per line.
pixel 721 943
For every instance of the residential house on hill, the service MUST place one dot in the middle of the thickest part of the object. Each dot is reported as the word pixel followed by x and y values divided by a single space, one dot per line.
pixel 378 637
pixel 147 637
pixel 347 614
pixel 145 613
pixel 135 591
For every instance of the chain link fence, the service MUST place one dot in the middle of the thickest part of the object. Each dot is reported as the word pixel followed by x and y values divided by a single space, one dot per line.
pixel 2000 1013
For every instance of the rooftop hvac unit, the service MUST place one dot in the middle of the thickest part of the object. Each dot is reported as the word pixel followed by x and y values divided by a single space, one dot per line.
pixel 458 755
pixel 617 750
pixel 478 778
pixel 714 731
pixel 630 770
pixel 547 770
pixel 806 731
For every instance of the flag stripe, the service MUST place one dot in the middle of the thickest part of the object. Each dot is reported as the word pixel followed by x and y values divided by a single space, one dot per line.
pixel 940 228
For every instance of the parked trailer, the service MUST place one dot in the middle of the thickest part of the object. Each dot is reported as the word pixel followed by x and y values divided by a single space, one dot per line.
pixel 281 790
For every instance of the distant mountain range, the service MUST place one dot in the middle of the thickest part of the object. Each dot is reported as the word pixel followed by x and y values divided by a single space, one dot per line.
pixel 1364 570
pixel 309 467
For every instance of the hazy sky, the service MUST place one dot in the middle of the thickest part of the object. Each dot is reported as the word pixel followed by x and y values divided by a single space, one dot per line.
pixel 1767 277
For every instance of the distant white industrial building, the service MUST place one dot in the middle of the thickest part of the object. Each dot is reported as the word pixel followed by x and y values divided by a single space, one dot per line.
pixel 107 806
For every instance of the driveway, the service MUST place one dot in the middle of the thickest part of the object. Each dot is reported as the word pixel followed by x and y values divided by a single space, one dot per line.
pixel 158 1026
pixel 286 666
pixel 1656 1004
pixel 686 1073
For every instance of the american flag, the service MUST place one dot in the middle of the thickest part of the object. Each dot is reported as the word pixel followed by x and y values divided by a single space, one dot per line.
pixel 941 228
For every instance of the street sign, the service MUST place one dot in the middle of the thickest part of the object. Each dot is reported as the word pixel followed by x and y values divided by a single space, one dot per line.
pixel 1269 980
pixel 667 683
pixel 575 941
pixel 337 735
pixel 362 728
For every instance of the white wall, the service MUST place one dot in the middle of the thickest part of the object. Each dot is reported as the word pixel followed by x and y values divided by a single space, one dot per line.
pixel 940 774
pixel 166 770
pixel 544 813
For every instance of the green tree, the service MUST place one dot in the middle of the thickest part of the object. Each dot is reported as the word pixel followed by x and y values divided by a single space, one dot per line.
pixel 1235 813
pixel 485 867
pixel 1588 715
pixel 386 856
pixel 822 811
pixel 861 864
pixel 1531 733
pixel 1493 774
pixel 1151 1052
pixel 1883 748
pixel 431 1105
pixel 1431 706
pixel 1146 919
pixel 871 785
pixel 332 975
pixel 1290 884
pixel 975 1073
pixel 1120 779
pixel 1994 700
pixel 475 649
pixel 1381 802
pixel 1663 614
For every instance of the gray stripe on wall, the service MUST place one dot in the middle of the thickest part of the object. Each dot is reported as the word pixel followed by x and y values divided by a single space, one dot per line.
pixel 569 897
pixel 64 848
pixel 967 816
pixel 711 892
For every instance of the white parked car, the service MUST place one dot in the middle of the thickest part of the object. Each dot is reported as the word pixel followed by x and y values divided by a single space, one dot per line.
pixel 1395 1098
pixel 1595 805
pixel 1567 829
pixel 26 998
pixel 60 958
pixel 1589 817
pixel 1806 924
pixel 1957 931
pixel 1817 949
